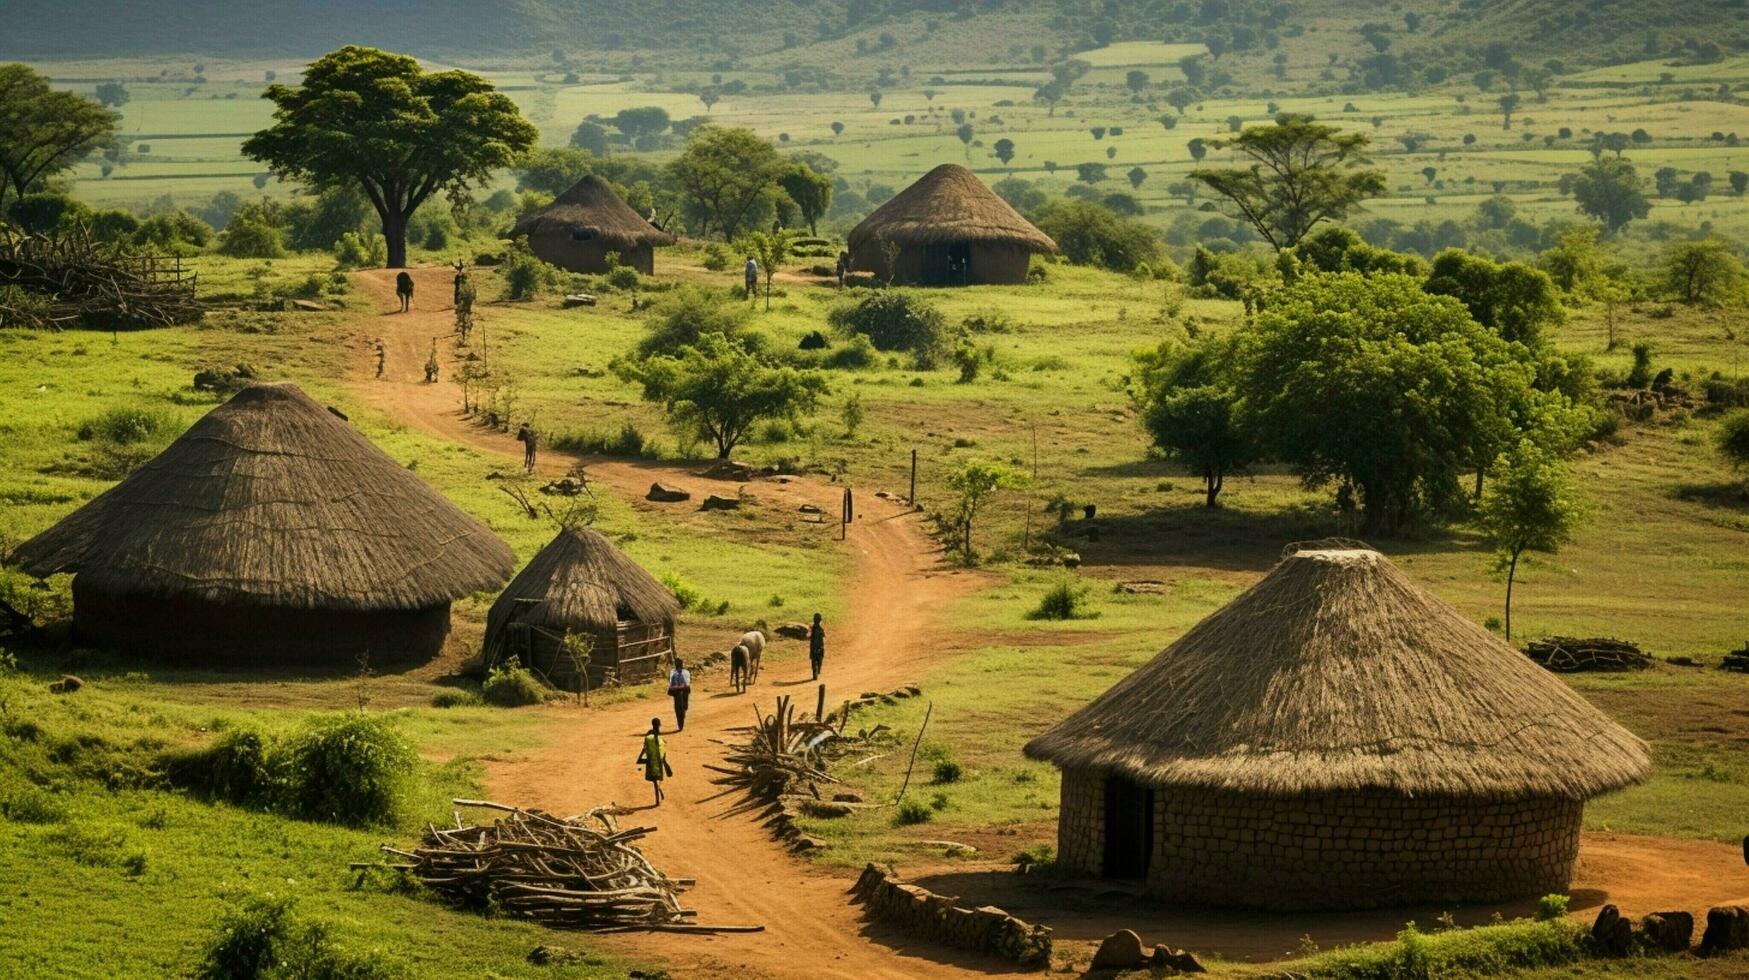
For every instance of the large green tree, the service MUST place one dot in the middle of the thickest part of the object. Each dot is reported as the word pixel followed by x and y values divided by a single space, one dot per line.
pixel 1530 506
pixel 377 121
pixel 1302 172
pixel 1189 408
pixel 810 190
pixel 1375 385
pixel 44 131
pixel 1707 271
pixel 723 173
pixel 1512 299
pixel 1612 191
pixel 721 389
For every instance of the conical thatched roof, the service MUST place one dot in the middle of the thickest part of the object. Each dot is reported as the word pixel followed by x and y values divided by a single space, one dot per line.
pixel 949 204
pixel 271 499
pixel 1338 673
pixel 581 582
pixel 592 206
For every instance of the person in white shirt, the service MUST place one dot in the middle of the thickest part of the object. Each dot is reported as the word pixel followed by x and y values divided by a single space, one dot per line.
pixel 680 689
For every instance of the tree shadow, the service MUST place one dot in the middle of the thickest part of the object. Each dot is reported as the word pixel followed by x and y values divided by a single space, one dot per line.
pixel 1726 494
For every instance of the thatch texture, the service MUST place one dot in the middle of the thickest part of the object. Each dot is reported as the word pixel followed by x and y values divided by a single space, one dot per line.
pixel 272 500
pixel 591 207
pixel 1337 673
pixel 581 583
pixel 948 204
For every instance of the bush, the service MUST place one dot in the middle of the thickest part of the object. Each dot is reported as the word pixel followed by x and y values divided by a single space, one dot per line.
pixel 361 250
pixel 1496 950
pixel 623 278
pixel 251 238
pixel 511 685
pixel 627 440
pixel 988 321
pixel 912 812
pixel 457 697
pixel 1091 234
pixel 856 354
pixel 1065 600
pixel 1551 907
pixel 1732 439
pixel 27 803
pixel 125 426
pixel 351 769
pixel 526 276
pixel 948 771
pixel 262 938
pixel 687 314
pixel 716 258
pixel 236 769
pixel 892 320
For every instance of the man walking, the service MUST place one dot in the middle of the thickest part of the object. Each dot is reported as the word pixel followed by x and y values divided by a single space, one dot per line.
pixel 527 437
pixel 404 289
pixel 752 276
pixel 817 646
pixel 654 759
pixel 680 689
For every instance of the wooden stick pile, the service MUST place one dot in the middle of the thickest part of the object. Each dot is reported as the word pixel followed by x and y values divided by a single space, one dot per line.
pixel 781 753
pixel 1567 654
pixel 577 873
pixel 69 280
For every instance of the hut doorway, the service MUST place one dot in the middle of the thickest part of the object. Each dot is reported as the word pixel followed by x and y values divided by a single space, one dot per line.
pixel 1129 828
pixel 946 264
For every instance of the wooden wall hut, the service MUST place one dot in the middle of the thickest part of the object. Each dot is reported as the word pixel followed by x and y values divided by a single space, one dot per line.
pixel 1335 737
pixel 948 229
pixel 580 583
pixel 269 532
pixel 586 223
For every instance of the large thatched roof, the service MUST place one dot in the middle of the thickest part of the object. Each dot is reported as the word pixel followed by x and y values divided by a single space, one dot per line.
pixel 1336 672
pixel 592 206
pixel 581 582
pixel 270 499
pixel 949 204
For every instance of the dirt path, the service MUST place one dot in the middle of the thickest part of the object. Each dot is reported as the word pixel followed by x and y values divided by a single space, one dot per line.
pixel 897 590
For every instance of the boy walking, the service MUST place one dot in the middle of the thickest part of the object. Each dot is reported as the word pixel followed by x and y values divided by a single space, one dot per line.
pixel 817 646
pixel 654 758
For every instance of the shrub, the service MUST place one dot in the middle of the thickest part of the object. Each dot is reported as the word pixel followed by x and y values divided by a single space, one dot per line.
pixel 1551 907
pixel 125 426
pixel 360 250
pixel 456 697
pixel 1065 600
pixel 27 803
pixel 686 595
pixel 511 685
pixel 1732 439
pixel 1036 854
pixel 627 440
pixel 251 238
pixel 623 278
pixel 892 320
pixel 526 276
pixel 716 258
pixel 1092 234
pixel 236 769
pixel 1497 950
pixel 350 769
pixel 988 321
pixel 911 812
pixel 687 314
pixel 263 938
pixel 856 354
pixel 948 771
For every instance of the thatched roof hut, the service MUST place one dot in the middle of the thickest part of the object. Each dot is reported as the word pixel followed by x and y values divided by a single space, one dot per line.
pixel 269 527
pixel 581 584
pixel 584 224
pixel 947 229
pixel 1339 692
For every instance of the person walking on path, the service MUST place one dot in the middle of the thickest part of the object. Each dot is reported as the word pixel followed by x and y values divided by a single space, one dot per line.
pixel 816 646
pixel 680 689
pixel 752 276
pixel 654 758
pixel 843 267
pixel 529 440
pixel 404 290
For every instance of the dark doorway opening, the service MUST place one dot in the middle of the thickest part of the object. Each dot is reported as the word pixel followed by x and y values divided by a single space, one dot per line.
pixel 1129 828
pixel 947 264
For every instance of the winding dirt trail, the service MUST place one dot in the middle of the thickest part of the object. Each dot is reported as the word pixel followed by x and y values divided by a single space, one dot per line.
pixel 897 590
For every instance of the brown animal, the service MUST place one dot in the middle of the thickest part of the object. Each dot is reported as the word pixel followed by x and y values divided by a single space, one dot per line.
pixel 66 685
pixel 754 641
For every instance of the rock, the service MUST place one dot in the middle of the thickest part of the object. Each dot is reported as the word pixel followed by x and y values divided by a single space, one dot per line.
pixel 1176 959
pixel 662 493
pixel 66 685
pixel 568 486
pixel 728 469
pixel 544 955
pixel 827 809
pixel 1727 930
pixel 847 797
pixel 1668 932
pixel 805 843
pixel 717 501
pixel 309 306
pixel 1122 950
pixel 579 299
pixel 1613 934
pixel 810 509
pixel 792 631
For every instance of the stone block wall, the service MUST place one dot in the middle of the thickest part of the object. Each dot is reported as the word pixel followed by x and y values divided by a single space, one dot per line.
pixel 1081 822
pixel 1341 850
pixel 922 913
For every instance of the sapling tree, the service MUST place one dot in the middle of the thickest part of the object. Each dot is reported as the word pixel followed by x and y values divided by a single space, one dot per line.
pixel 1530 506
pixel 975 482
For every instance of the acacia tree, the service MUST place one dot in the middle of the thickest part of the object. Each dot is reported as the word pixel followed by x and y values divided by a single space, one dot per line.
pixel 1302 172
pixel 377 121
pixel 1530 506
pixel 44 131
pixel 721 389
pixel 1610 190
pixel 810 190
pixel 1706 271
pixel 722 173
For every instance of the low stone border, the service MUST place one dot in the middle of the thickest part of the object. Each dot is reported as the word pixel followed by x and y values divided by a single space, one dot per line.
pixel 1615 935
pixel 935 917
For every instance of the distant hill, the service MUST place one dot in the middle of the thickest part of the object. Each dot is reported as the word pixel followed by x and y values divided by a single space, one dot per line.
pixel 1573 32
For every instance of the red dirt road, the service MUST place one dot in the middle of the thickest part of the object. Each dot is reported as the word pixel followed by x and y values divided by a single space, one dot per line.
pixel 896 595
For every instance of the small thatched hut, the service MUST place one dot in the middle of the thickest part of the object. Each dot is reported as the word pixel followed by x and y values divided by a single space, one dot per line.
pixel 584 224
pixel 270 531
pixel 947 229
pixel 1335 737
pixel 581 584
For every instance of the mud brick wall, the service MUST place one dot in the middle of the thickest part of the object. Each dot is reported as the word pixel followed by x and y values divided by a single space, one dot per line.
pixel 1340 850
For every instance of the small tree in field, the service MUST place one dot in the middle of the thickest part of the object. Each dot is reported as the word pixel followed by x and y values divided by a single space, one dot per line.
pixel 975 482
pixel 1004 150
pixel 771 248
pixel 1530 506
pixel 1302 172
pixel 721 389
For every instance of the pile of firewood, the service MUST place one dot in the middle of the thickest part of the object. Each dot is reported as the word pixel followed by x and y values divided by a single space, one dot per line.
pixel 1737 660
pixel 781 753
pixel 578 872
pixel 71 280
pixel 1567 654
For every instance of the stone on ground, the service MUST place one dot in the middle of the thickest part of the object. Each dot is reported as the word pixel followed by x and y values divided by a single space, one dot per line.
pixel 1122 950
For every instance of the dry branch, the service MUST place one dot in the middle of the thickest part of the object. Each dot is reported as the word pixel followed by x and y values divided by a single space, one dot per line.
pixel 69 279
